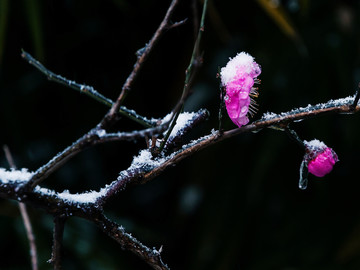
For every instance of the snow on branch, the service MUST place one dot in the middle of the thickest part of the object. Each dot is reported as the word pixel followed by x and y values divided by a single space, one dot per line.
pixel 167 148
pixel 13 175
pixel 311 109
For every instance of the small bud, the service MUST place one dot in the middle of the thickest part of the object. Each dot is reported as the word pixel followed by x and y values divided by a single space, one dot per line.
pixel 319 160
pixel 323 162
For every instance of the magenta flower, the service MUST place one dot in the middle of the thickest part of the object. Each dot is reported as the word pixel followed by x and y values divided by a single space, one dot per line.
pixel 319 160
pixel 238 78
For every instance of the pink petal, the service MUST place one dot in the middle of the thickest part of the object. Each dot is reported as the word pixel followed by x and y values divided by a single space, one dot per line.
pixel 323 163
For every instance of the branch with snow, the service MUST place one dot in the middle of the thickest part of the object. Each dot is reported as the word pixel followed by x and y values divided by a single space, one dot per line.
pixel 167 147
pixel 89 204
pixel 145 167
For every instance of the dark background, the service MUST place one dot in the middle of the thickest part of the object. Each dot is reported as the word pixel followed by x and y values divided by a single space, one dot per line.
pixel 234 205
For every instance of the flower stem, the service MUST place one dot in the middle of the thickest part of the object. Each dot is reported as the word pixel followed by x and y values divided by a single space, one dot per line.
pixel 293 135
pixel 221 107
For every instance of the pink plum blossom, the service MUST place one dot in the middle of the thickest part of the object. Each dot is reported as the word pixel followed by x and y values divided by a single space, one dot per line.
pixel 238 78
pixel 321 159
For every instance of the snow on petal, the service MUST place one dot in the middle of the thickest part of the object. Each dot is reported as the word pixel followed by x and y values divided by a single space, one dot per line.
pixel 238 78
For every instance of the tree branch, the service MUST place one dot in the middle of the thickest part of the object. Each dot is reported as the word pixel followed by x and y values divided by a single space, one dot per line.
pixel 61 206
pixel 128 242
pixel 93 137
pixel 144 174
pixel 142 56
pixel 55 204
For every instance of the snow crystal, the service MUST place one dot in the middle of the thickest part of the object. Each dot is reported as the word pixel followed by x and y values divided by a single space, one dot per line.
pixel 101 132
pixel 315 144
pixel 214 131
pixel 22 175
pixel 45 191
pixel 269 116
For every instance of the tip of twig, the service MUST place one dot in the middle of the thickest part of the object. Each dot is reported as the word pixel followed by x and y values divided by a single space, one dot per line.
pixel 176 24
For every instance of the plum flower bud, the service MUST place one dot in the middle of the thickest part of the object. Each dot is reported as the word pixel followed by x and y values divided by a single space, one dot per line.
pixel 319 160
pixel 238 78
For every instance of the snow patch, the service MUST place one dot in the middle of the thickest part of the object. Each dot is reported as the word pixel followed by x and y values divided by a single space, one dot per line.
pixel 101 132
pixel 167 118
pixel 330 104
pixel 77 198
pixel 12 175
pixel 145 158
pixel 86 197
pixel 183 120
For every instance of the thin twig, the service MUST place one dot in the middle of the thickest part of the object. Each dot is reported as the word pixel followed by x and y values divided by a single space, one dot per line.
pixel 177 24
pixel 30 235
pixel 128 242
pixel 165 24
pixel 189 74
pixel 86 89
pixel 59 223
pixel 9 157
pixel 293 135
pixel 195 17
pixel 61 158
pixel 25 217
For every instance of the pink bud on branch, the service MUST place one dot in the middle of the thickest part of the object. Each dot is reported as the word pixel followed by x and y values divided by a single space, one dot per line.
pixel 321 159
